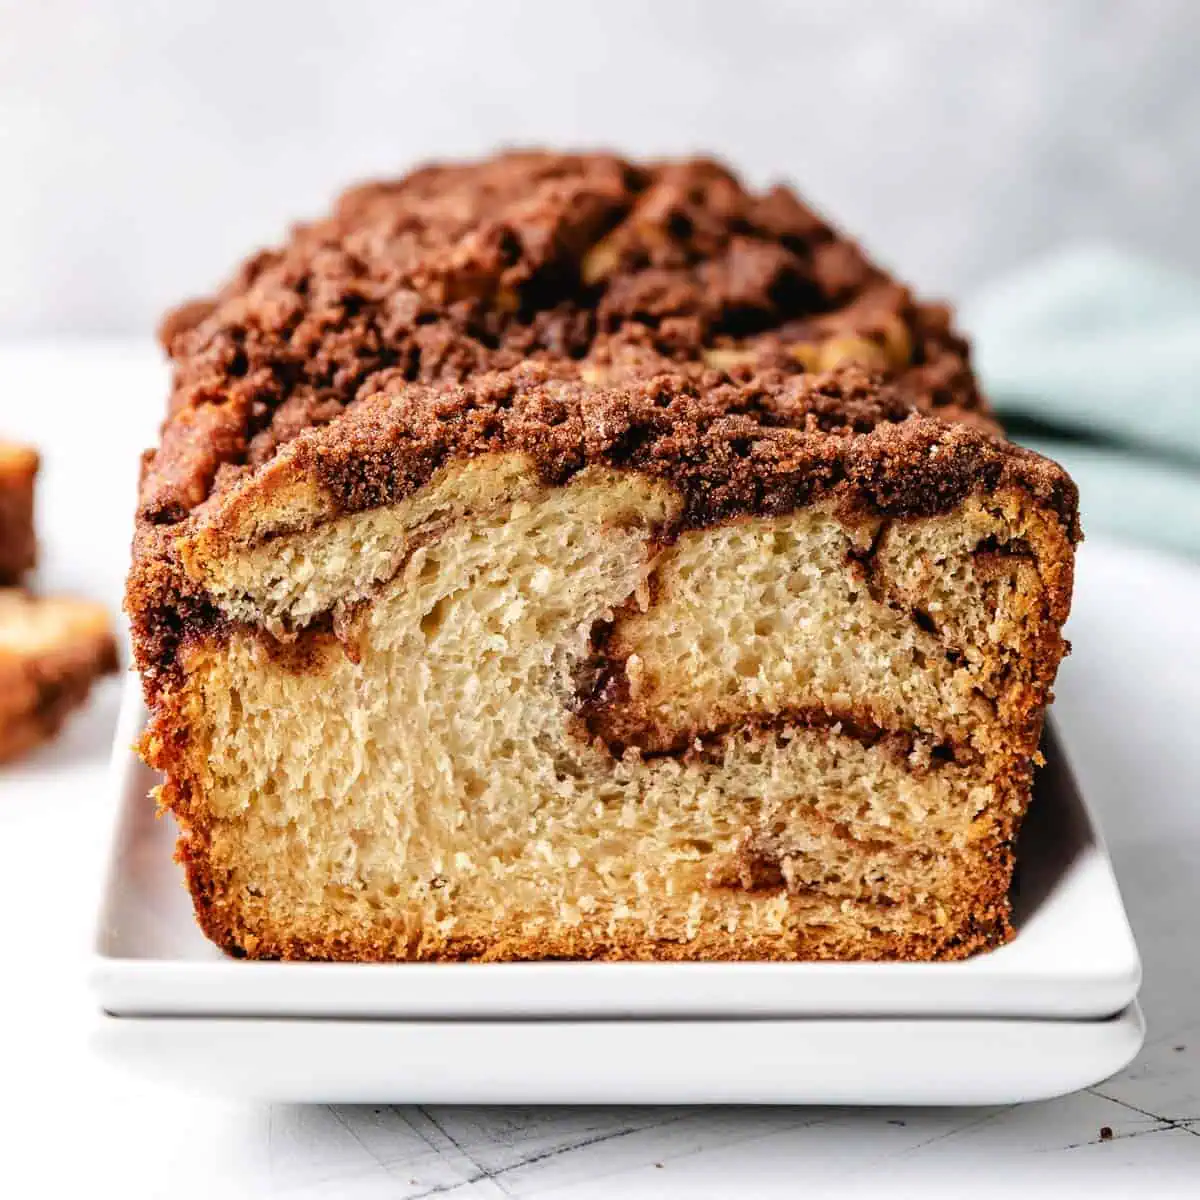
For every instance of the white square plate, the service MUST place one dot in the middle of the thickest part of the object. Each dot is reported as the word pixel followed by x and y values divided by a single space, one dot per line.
pixel 1074 956
pixel 814 1060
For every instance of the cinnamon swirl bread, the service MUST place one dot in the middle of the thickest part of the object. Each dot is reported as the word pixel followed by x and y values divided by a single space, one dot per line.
pixel 562 557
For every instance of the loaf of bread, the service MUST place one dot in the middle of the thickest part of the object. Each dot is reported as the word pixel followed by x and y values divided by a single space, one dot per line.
pixel 18 545
pixel 52 649
pixel 560 557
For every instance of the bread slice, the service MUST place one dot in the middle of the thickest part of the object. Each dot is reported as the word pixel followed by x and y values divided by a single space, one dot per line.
pixel 558 557
pixel 51 652
pixel 18 546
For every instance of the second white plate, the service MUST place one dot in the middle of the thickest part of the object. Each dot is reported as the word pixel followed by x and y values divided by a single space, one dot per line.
pixel 1073 957
pixel 812 1061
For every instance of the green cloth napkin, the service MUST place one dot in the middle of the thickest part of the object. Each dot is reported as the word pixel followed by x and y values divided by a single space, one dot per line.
pixel 1092 358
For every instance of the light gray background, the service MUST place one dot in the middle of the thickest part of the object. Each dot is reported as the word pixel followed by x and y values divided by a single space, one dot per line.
pixel 145 147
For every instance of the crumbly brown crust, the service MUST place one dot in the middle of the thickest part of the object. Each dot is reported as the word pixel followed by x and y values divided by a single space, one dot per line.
pixel 571 260
pixel 765 444
pixel 18 545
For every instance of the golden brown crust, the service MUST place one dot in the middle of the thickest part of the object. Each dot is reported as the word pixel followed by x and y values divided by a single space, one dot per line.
pixel 18 545
pixel 986 925
pixel 46 674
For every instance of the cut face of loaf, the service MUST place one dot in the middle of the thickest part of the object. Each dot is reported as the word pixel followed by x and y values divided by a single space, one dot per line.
pixel 503 718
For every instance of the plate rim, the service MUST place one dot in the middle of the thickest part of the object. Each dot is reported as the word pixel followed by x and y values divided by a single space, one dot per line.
pixel 910 1061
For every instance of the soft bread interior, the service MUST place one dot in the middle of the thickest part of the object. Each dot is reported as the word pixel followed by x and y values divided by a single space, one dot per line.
pixel 540 722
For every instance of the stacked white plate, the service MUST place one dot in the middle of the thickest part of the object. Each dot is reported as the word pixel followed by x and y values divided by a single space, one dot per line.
pixel 1053 1011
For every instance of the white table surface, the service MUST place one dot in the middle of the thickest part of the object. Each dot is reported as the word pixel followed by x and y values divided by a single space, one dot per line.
pixel 1129 709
